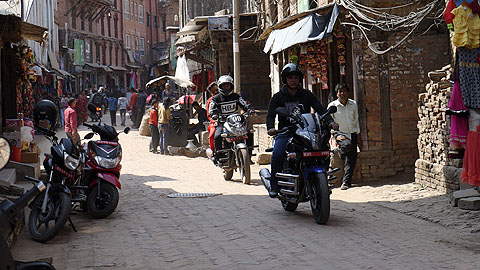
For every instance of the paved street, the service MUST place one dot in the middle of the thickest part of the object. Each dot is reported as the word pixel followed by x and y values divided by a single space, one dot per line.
pixel 242 228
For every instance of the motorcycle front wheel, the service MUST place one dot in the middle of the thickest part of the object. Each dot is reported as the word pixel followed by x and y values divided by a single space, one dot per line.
pixel 45 226
pixel 244 158
pixel 103 206
pixel 320 198
pixel 227 174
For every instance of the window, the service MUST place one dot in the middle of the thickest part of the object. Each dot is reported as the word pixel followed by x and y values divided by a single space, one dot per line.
pixel 155 21
pixel 164 23
pixel 142 45
pixel 115 26
pixel 90 28
pixel 140 13
pixel 116 56
pixel 102 26
pixel 108 26
pixel 97 53
pixel 82 24
pixel 115 3
pixel 111 56
pixel 132 8
pixel 74 20
pixel 104 54
pixel 148 19
pixel 137 44
pixel 127 41
pixel 127 9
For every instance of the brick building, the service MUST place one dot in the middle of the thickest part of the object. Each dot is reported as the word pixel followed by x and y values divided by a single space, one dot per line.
pixel 385 85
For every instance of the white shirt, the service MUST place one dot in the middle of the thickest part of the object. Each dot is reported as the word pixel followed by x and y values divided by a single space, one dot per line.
pixel 346 117
pixel 122 103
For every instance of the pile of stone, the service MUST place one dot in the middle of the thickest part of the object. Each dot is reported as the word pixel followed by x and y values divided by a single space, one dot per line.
pixel 433 168
pixel 468 199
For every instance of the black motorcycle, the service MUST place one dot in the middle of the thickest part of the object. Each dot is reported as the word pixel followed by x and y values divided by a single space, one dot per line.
pixel 51 209
pixel 11 216
pixel 305 175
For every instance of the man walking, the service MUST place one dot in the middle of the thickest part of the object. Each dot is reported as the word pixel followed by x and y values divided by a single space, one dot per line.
pixel 142 101
pixel 71 121
pixel 133 106
pixel 347 136
pixel 122 106
pixel 112 107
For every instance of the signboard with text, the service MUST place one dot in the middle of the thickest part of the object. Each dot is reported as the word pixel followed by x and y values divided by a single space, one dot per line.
pixel 218 23
pixel 79 52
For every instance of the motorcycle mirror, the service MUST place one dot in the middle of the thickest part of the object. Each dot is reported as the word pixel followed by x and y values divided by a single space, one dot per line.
pixel 89 136
pixel 5 152
pixel 282 111
pixel 126 130
pixel 332 109
pixel 92 108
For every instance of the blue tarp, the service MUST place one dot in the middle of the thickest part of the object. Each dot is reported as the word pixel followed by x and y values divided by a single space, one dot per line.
pixel 311 28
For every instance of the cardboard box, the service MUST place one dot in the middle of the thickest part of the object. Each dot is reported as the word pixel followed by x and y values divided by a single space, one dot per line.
pixel 30 156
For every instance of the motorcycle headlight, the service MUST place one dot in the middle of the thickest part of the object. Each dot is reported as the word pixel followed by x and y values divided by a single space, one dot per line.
pixel 239 131
pixel 107 163
pixel 70 162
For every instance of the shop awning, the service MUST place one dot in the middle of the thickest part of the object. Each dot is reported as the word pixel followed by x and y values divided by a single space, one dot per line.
pixel 93 65
pixel 65 73
pixel 312 27
pixel 116 68
pixel 53 60
pixel 106 68
pixel 185 40
pixel 34 32
pixel 133 66
pixel 178 81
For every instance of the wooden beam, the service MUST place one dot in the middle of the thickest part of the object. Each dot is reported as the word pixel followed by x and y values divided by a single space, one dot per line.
pixel 198 59
pixel 384 88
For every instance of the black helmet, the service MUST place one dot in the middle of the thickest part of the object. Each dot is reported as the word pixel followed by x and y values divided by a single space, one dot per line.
pixel 224 80
pixel 45 110
pixel 290 69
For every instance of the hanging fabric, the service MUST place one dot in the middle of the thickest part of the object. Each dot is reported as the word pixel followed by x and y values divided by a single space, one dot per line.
pixel 468 65
pixel 471 161
pixel 459 119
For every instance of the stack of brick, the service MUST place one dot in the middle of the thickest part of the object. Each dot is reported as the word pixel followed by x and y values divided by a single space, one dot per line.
pixel 433 168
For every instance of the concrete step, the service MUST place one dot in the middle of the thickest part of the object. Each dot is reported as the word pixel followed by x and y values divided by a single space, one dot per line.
pixel 8 176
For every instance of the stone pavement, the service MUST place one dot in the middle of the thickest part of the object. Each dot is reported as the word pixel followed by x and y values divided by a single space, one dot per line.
pixel 244 229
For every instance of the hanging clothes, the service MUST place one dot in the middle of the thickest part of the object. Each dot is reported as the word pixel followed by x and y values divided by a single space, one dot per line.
pixel 467 28
pixel 471 161
pixel 459 119
pixel 468 65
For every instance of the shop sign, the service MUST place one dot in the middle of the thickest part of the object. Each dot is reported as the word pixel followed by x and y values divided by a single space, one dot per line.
pixel 87 52
pixel 138 55
pixel 218 23
pixel 79 53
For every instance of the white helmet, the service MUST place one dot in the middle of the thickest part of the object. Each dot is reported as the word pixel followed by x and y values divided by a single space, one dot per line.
pixel 223 80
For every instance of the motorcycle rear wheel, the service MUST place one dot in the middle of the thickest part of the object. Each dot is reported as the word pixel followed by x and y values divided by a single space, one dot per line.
pixel 227 174
pixel 107 203
pixel 244 166
pixel 289 206
pixel 320 198
pixel 59 206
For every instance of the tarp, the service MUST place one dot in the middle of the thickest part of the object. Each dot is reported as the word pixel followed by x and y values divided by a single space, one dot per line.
pixel 179 81
pixel 311 28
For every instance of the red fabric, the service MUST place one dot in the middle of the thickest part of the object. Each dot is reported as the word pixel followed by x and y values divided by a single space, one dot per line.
pixel 447 14
pixel 208 104
pixel 70 120
pixel 475 7
pixel 134 101
pixel 211 139
pixel 153 117
pixel 471 161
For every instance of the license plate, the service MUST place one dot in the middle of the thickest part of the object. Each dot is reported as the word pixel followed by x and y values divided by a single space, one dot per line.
pixel 316 154
pixel 238 138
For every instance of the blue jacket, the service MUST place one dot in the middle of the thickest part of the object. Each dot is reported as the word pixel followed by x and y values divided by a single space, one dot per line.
pixel 112 104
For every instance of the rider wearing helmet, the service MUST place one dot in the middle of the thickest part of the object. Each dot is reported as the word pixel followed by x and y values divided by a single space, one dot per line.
pixel 224 104
pixel 292 92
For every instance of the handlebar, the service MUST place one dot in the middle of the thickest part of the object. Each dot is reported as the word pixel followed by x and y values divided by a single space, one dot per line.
pixel 88 125
pixel 45 131
pixel 32 193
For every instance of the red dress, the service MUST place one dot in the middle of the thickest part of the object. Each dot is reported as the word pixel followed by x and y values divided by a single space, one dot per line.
pixel 81 108
pixel 471 161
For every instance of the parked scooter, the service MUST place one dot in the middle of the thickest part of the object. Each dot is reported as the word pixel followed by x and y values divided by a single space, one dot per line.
pixel 102 169
pixel 10 216
pixel 305 175
pixel 234 153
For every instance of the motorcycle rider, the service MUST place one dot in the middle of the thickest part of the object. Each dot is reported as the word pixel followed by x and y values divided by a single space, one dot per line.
pixel 224 103
pixel 292 92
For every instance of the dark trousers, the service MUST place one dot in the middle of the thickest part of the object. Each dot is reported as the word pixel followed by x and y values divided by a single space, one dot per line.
pixel 278 156
pixel 123 114
pixel 350 161
pixel 217 138
pixel 140 113
pixel 155 137
pixel 113 117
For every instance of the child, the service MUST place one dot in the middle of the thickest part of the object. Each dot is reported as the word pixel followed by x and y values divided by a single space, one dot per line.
pixel 153 124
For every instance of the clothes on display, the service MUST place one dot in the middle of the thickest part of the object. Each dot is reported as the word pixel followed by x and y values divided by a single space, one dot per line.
pixel 468 64
pixel 467 27
pixel 24 89
pixel 471 161
pixel 203 79
pixel 459 118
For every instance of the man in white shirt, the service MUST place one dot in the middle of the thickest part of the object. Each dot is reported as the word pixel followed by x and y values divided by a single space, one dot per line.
pixel 347 136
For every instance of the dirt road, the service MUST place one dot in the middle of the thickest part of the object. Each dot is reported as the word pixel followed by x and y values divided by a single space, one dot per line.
pixel 242 228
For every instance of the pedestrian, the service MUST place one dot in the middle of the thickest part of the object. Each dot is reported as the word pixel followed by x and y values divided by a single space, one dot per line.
pixel 81 107
pixel 63 106
pixel 112 107
pixel 213 90
pixel 133 105
pixel 71 121
pixel 164 116
pixel 122 106
pixel 168 92
pixel 201 114
pixel 153 124
pixel 142 102
pixel 347 135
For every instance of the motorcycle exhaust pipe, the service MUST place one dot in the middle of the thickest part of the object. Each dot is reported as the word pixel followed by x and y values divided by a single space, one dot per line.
pixel 265 176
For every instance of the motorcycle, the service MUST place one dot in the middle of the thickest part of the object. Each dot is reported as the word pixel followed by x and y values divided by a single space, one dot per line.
pixel 96 114
pixel 235 152
pixel 11 216
pixel 51 208
pixel 102 169
pixel 305 175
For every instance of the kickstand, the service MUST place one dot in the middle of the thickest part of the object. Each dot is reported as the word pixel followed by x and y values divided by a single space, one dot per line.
pixel 71 224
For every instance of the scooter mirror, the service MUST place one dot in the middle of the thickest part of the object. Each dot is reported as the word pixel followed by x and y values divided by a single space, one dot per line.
pixel 5 152
pixel 126 130
pixel 332 109
pixel 89 136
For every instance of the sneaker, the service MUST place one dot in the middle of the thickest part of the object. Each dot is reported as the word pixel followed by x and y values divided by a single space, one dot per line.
pixel 344 187
pixel 273 194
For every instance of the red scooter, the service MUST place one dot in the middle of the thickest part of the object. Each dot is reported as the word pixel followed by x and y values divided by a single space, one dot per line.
pixel 102 169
